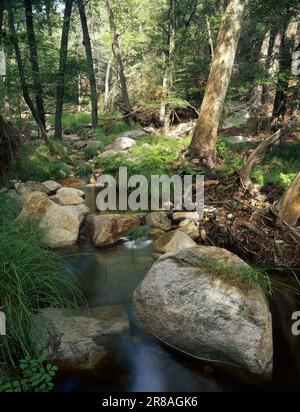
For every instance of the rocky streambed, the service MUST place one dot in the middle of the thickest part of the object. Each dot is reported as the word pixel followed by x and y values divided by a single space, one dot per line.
pixel 187 329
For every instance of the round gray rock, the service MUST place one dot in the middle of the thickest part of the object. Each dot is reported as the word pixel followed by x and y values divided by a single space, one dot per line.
pixel 189 308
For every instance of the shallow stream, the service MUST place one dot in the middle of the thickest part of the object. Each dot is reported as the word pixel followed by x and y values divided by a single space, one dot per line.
pixel 141 363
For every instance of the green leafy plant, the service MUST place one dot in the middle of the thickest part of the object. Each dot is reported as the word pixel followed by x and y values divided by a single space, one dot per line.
pixel 136 233
pixel 36 376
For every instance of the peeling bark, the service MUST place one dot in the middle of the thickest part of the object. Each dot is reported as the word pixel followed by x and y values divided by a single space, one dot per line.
pixel 206 132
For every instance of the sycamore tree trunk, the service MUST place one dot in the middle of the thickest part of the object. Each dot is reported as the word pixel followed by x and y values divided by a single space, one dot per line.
pixel 168 58
pixel 273 71
pixel 38 90
pixel 25 90
pixel 107 82
pixel 60 89
pixel 126 107
pixel 90 63
pixel 288 208
pixel 210 39
pixel 258 90
pixel 205 136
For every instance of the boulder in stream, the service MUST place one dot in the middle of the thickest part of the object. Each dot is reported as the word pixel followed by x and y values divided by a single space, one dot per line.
pixel 82 342
pixel 189 307
pixel 174 240
pixel 104 230
pixel 60 224
pixel 159 220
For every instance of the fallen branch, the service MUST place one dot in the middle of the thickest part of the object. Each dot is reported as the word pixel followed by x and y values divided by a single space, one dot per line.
pixel 262 148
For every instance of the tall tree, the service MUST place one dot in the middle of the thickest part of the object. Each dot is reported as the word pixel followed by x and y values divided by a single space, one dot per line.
pixel 48 16
pixel 25 90
pixel 258 90
pixel 1 18
pixel 205 136
pixel 127 109
pixel 60 89
pixel 168 62
pixel 38 90
pixel 90 63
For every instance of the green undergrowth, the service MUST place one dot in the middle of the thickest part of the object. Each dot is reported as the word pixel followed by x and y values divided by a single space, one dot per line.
pixel 153 155
pixel 279 167
pixel 37 162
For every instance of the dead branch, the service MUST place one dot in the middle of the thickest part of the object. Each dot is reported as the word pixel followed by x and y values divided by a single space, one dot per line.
pixel 262 148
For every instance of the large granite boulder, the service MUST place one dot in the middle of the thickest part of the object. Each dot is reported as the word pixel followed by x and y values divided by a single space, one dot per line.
pixel 82 342
pixel 189 307
pixel 104 230
pixel 60 225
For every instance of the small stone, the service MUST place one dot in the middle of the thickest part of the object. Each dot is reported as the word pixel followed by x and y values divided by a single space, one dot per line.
pixel 67 200
pixel 190 228
pixel 69 191
pixel 52 186
pixel 159 220
pixel 172 241
pixel 156 233
pixel 191 216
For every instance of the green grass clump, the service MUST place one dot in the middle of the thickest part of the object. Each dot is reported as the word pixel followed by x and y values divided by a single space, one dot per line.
pixel 35 162
pixel 161 156
pixel 30 279
pixel 72 120
pixel 248 278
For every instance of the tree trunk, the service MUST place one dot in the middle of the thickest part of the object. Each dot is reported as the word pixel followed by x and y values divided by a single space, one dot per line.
pixel 206 132
pixel 107 79
pixel 257 92
pixel 274 68
pixel 23 82
pixel 90 63
pixel 9 145
pixel 1 18
pixel 48 16
pixel 210 40
pixel 60 89
pixel 165 113
pixel 34 61
pixel 126 107
pixel 288 208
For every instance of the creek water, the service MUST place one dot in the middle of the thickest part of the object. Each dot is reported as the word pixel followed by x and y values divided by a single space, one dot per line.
pixel 141 363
